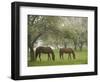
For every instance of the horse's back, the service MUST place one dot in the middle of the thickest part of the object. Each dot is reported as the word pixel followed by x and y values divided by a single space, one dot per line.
pixel 66 49
pixel 44 49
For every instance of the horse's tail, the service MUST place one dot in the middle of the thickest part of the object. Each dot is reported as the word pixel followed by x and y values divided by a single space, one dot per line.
pixel 36 54
pixel 60 53
pixel 73 54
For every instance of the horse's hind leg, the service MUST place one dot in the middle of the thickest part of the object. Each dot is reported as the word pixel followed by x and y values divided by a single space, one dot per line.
pixel 61 56
pixel 40 57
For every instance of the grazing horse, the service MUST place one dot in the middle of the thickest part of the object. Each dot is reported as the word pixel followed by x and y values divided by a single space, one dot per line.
pixel 45 50
pixel 66 50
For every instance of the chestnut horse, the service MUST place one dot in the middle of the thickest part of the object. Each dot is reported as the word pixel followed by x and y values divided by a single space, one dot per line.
pixel 66 50
pixel 45 50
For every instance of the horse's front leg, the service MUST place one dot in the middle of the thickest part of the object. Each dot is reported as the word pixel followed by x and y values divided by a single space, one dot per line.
pixel 69 56
pixel 49 57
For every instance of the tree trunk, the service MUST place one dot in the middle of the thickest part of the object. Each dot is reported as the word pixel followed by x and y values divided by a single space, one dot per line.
pixel 75 45
pixel 32 57
pixel 31 46
pixel 81 46
pixel 35 39
pixel 65 45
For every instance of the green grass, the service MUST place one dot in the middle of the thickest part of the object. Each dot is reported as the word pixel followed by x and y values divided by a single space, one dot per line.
pixel 81 58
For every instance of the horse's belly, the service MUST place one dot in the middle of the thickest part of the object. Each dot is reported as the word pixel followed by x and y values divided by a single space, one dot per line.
pixel 45 52
pixel 66 52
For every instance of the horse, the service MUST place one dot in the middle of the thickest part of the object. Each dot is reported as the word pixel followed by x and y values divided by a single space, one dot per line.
pixel 66 50
pixel 45 50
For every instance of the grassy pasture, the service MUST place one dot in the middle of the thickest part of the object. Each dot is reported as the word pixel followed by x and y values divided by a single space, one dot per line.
pixel 81 58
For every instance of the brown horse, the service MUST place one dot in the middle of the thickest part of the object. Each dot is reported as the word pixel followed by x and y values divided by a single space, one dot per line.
pixel 45 50
pixel 66 50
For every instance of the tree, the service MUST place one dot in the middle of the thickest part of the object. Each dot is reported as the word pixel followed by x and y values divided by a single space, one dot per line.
pixel 83 33
pixel 78 27
pixel 38 27
pixel 57 31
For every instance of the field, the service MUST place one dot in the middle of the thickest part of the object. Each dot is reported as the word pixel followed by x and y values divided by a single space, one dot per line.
pixel 81 58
